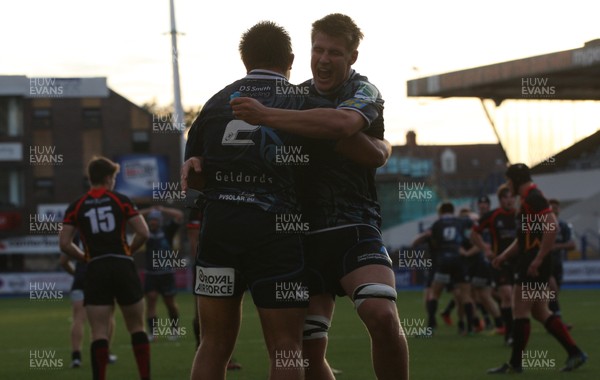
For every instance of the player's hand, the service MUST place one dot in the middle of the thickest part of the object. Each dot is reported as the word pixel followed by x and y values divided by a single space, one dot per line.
pixel 533 268
pixel 192 164
pixel 497 262
pixel 488 252
pixel 248 109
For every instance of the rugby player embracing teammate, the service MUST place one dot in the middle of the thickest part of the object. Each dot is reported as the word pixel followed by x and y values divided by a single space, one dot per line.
pixel 101 217
pixel 344 250
pixel 501 225
pixel 536 232
pixel 238 246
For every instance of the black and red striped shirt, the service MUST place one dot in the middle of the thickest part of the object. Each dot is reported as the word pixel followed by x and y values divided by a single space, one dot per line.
pixel 101 217
pixel 502 228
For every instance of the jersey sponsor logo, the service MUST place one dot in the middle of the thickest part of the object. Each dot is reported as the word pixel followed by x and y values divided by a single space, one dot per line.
pixel 234 128
pixel 382 255
pixel 255 91
pixel 240 177
pixel 214 281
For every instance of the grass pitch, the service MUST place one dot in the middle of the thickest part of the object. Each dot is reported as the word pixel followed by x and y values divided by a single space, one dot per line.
pixel 41 327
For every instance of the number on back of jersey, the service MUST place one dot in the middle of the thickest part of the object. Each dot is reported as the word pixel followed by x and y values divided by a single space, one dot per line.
pixel 101 219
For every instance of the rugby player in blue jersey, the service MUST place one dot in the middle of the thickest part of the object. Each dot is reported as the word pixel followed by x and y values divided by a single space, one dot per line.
pixel 344 250
pixel 238 247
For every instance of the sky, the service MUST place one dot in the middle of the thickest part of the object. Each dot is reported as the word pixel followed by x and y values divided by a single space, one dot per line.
pixel 125 41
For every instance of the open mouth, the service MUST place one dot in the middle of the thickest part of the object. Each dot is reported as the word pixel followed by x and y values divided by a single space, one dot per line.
pixel 324 74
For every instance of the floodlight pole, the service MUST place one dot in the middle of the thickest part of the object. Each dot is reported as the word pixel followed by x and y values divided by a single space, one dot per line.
pixel 178 116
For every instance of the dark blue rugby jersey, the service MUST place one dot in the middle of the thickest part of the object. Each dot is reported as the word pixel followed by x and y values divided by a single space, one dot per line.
pixel 246 163
pixel 563 236
pixel 335 190
pixel 159 248
pixel 447 235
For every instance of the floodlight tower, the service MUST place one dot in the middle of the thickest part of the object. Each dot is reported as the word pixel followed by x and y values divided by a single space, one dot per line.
pixel 178 116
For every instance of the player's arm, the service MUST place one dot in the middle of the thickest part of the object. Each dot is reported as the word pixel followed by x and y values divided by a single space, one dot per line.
pixel 469 252
pixel 365 150
pixel 318 123
pixel 478 242
pixel 141 232
pixel 509 252
pixel 192 167
pixel 548 239
pixel 174 213
pixel 66 264
pixel 65 242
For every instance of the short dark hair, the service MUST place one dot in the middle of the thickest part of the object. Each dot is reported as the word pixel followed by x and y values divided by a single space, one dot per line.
pixel 518 174
pixel 554 201
pixel 266 45
pixel 446 208
pixel 503 191
pixel 99 168
pixel 339 25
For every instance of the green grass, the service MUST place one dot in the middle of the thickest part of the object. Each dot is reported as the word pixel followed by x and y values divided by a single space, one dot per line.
pixel 28 325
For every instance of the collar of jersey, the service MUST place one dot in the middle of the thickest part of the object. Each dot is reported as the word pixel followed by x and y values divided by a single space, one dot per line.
pixel 264 74
pixel 97 193
pixel 531 187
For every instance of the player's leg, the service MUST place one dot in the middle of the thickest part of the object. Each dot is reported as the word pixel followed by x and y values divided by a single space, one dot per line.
pixel 488 302
pixel 521 330
pixel 505 293
pixel 133 315
pixel 554 325
pixel 99 317
pixel 282 330
pixel 219 326
pixel 437 286
pixel 151 297
pixel 168 291
pixel 373 291
pixel 130 297
pixel 315 339
pixel 111 333
pixel 77 326
pixel 466 303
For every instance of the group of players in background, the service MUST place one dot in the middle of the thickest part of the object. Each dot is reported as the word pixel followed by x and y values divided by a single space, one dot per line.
pixel 240 144
pixel 491 262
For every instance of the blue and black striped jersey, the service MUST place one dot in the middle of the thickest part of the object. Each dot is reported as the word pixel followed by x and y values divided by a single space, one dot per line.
pixel 335 190
pixel 246 163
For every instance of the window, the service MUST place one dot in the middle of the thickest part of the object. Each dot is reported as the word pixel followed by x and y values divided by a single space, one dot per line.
pixel 11 116
pixel 92 118
pixel 43 188
pixel 11 187
pixel 448 161
pixel 42 118
pixel 141 142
